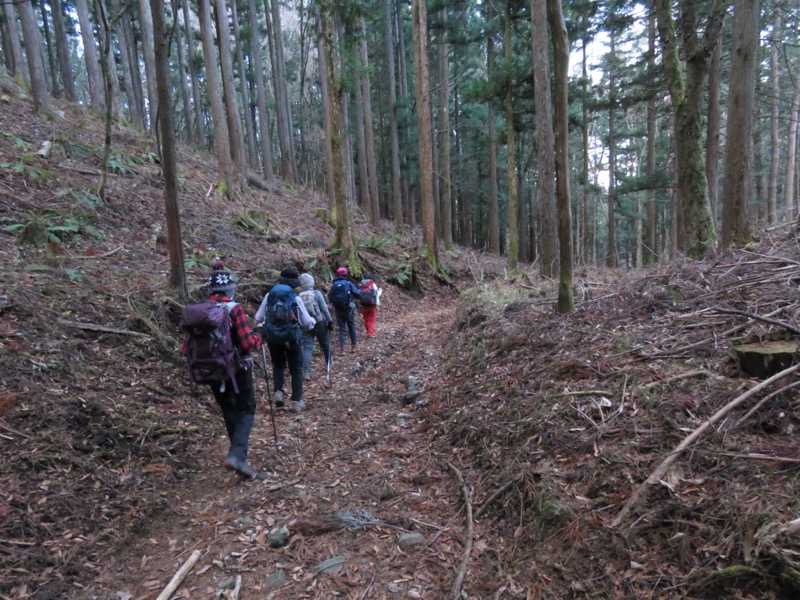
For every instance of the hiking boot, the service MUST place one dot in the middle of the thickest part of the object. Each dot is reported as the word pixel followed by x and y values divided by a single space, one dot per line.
pixel 307 377
pixel 240 466
pixel 279 398
pixel 353 348
pixel 298 406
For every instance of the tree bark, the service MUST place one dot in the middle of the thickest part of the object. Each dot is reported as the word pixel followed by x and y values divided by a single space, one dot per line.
pixel 247 113
pixel 612 255
pixel 264 137
pixel 326 120
pixel 397 193
pixel 90 56
pixel 361 151
pixel 199 126
pixel 229 93
pixel 33 45
pixel 423 96
pixel 686 91
pixel 169 168
pixel 545 144
pixel 494 205
pixel 343 237
pixel 369 139
pixel 790 179
pixel 444 137
pixel 513 198
pixel 182 74
pixel 650 254
pixel 62 50
pixel 274 35
pixel 713 128
pixel 774 129
pixel 148 54
pixel 221 139
pixel 48 42
pixel 16 66
pixel 738 149
pixel 125 39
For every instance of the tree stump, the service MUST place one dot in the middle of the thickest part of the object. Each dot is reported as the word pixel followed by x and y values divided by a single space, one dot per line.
pixel 765 359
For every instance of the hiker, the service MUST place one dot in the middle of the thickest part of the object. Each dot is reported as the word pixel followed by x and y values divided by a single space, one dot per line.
pixel 318 309
pixel 283 317
pixel 370 301
pixel 235 395
pixel 341 296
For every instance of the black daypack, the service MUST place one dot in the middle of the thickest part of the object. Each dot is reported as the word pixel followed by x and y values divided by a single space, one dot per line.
pixel 369 293
pixel 282 326
pixel 212 355
pixel 340 294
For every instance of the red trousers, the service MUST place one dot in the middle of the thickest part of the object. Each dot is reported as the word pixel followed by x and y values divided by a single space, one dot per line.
pixel 369 313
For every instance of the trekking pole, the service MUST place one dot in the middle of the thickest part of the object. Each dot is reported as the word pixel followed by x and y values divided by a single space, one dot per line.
pixel 269 394
pixel 329 362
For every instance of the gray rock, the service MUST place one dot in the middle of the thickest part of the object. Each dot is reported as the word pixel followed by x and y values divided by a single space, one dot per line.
pixel 410 396
pixel 278 538
pixel 410 539
pixel 276 580
pixel 330 566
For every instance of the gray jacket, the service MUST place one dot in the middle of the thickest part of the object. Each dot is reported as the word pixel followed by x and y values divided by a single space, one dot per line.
pixel 307 285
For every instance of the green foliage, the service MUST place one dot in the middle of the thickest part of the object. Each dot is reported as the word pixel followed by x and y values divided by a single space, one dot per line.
pixel 33 172
pixel 324 215
pixel 18 141
pixel 121 164
pixel 198 260
pixel 254 220
pixel 51 225
pixel 403 272
pixel 74 275
pixel 376 242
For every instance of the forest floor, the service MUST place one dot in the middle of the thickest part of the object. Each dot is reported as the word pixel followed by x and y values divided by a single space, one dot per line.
pixel 480 446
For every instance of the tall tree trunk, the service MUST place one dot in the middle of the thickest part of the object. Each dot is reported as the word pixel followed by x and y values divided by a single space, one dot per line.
pixel 566 302
pixel 247 113
pixel 774 75
pixel 650 250
pixel 343 238
pixel 713 127
pixel 264 137
pixel 366 91
pixel 274 34
pixel 197 101
pixel 149 56
pixel 326 120
pixel 738 149
pixel 361 151
pixel 33 45
pixel 408 198
pixel 90 56
pixel 540 37
pixel 494 205
pixel 587 224
pixel 169 168
pixel 444 137
pixel 16 66
pixel 48 42
pixel 423 95
pixel 110 83
pixel 513 199
pixel 221 138
pixel 126 52
pixel 62 50
pixel 229 92
pixel 686 92
pixel 612 257
pixel 397 193
pixel 182 75
pixel 790 179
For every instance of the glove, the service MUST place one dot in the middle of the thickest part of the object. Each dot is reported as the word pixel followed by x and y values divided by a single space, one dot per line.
pixel 262 329
pixel 330 325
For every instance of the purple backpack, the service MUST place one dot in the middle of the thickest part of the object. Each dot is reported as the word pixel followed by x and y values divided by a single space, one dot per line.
pixel 212 356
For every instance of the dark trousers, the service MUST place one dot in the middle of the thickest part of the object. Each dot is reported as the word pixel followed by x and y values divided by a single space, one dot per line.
pixel 346 319
pixel 238 411
pixel 280 355
pixel 321 334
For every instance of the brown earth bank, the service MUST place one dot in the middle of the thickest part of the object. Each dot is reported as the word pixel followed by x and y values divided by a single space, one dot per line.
pixel 480 446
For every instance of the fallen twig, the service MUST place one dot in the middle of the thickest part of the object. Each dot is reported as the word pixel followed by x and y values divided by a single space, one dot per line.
pixel 92 327
pixel 496 494
pixel 786 326
pixel 764 400
pixel 10 429
pixel 687 375
pixel 104 255
pixel 237 588
pixel 659 471
pixel 179 576
pixel 455 593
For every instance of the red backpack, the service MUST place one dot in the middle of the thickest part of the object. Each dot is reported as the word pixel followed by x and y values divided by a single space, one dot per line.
pixel 369 294
pixel 212 356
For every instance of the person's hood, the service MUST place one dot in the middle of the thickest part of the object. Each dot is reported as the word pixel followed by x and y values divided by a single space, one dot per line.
pixel 306 281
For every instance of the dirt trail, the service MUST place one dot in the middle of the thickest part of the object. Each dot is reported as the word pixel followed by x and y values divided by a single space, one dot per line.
pixel 348 458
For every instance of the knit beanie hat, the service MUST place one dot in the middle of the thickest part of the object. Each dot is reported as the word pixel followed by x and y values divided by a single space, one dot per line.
pixel 307 281
pixel 341 271
pixel 289 273
pixel 367 275
pixel 221 279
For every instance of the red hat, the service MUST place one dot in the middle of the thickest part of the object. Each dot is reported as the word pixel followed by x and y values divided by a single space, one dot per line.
pixel 341 271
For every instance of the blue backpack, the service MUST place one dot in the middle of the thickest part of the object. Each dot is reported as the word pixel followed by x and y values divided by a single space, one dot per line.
pixel 340 294
pixel 282 325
